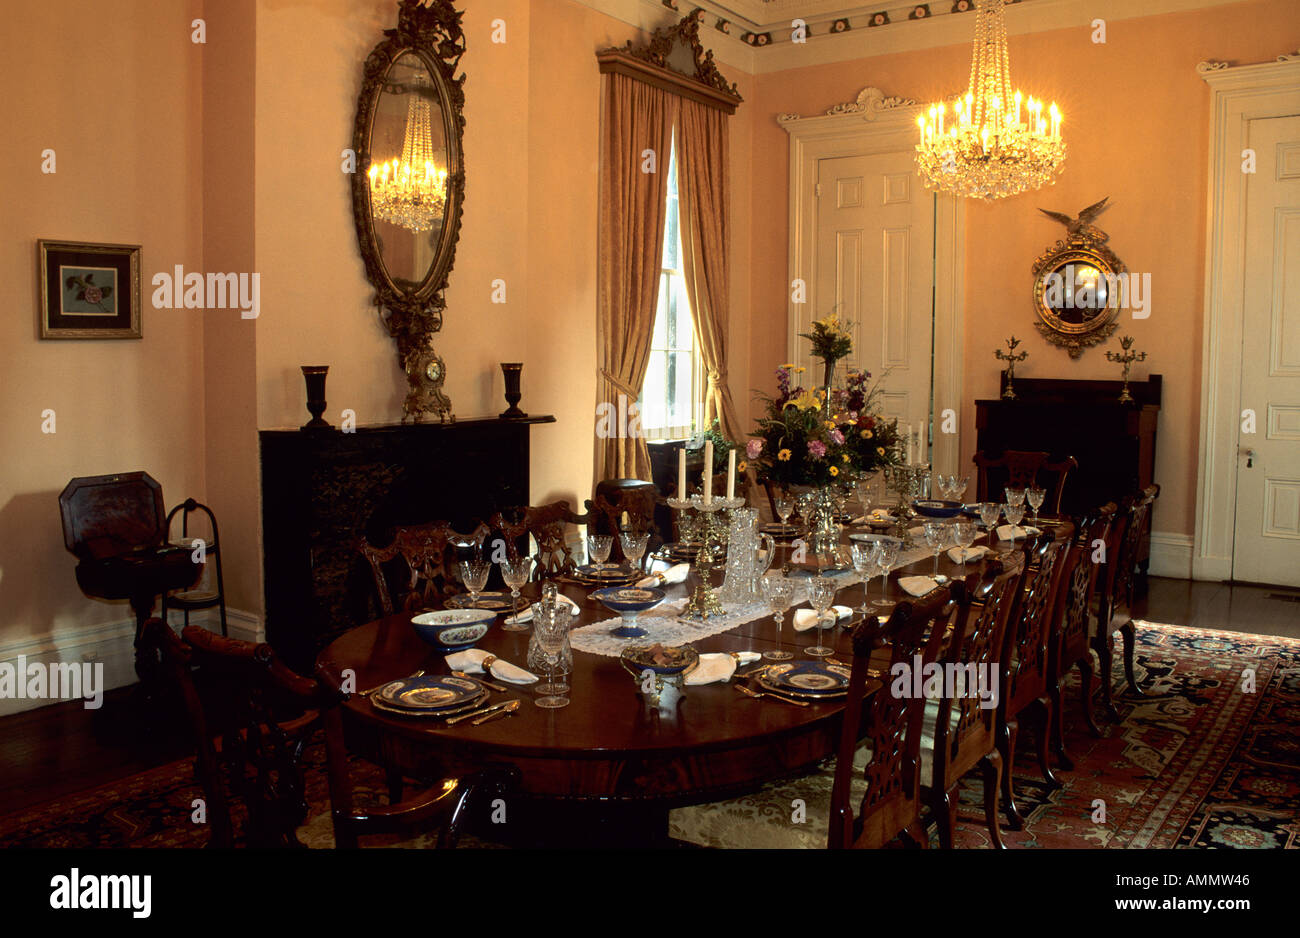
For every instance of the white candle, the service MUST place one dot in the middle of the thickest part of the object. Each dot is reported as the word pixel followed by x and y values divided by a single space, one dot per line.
pixel 681 474
pixel 907 449
pixel 731 473
pixel 708 472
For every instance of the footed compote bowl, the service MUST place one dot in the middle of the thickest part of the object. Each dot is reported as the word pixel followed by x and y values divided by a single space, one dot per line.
pixel 629 602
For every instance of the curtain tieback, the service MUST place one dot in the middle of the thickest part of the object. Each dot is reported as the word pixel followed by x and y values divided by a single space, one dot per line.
pixel 717 379
pixel 619 384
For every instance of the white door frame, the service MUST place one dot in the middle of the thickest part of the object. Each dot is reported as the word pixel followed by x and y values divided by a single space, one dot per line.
pixel 1238 95
pixel 870 125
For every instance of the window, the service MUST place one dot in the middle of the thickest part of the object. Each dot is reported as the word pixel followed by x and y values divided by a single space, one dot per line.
pixel 672 394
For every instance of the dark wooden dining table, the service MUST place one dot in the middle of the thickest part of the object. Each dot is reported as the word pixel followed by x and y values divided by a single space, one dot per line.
pixel 608 767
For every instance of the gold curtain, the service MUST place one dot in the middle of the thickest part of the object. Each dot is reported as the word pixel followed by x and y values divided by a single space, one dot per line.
pixel 638 117
pixel 702 202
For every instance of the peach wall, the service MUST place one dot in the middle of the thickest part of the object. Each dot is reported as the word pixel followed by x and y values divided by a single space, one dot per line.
pixel 123 115
pixel 1137 121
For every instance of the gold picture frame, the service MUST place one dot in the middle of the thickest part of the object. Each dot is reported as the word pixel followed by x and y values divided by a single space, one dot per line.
pixel 88 290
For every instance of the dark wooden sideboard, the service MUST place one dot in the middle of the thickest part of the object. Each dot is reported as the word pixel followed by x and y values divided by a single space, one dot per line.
pixel 323 490
pixel 1114 443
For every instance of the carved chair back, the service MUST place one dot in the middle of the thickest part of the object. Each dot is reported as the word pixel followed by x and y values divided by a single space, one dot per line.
pixel 1071 615
pixel 1130 547
pixel 966 724
pixel 548 526
pixel 892 722
pixel 1025 658
pixel 427 573
pixel 626 509
pixel 1021 468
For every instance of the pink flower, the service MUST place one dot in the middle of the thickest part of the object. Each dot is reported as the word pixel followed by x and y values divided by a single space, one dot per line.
pixel 753 448
pixel 837 437
pixel 817 448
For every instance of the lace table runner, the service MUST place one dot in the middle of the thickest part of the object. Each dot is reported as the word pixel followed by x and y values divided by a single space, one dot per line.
pixel 664 625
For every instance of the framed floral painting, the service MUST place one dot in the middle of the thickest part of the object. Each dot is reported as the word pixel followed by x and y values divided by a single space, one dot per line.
pixel 89 291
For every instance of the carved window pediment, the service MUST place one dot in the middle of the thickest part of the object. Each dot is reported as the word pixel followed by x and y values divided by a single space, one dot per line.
pixel 676 61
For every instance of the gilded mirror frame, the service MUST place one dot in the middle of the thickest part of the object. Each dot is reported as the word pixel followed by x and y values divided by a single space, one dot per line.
pixel 1084 244
pixel 434 35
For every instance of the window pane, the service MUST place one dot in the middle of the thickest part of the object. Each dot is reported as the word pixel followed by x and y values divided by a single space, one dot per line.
pixel 654 393
pixel 680 384
pixel 660 337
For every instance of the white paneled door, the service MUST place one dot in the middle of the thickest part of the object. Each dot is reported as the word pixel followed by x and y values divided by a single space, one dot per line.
pixel 874 263
pixel 1266 546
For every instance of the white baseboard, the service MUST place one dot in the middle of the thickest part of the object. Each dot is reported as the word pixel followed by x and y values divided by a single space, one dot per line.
pixel 112 645
pixel 1171 555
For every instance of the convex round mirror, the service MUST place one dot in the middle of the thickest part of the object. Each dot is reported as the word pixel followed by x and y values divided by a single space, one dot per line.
pixel 1079 285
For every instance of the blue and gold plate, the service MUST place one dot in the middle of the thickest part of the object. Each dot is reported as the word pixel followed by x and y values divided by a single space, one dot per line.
pixel 430 692
pixel 806 677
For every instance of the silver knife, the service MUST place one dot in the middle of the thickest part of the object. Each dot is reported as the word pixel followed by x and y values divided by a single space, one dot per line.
pixel 477 713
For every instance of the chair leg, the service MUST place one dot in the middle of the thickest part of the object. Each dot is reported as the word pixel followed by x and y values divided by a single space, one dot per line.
pixel 1129 631
pixel 943 804
pixel 1044 741
pixel 992 766
pixel 1057 727
pixel 1007 750
pixel 915 834
pixel 1085 693
pixel 1106 655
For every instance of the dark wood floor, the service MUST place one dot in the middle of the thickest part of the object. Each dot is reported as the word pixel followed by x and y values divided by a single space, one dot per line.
pixel 64 748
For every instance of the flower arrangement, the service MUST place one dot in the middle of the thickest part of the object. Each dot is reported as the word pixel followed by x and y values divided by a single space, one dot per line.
pixel 831 339
pixel 807 437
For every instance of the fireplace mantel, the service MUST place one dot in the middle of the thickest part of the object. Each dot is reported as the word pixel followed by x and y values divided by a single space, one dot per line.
pixel 325 490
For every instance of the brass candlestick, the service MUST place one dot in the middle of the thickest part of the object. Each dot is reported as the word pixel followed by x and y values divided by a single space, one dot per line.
pixel 707 529
pixel 1127 358
pixel 1010 357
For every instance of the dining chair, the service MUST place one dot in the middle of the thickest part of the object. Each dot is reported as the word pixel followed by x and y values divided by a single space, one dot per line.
pixel 875 763
pixel 1115 595
pixel 1069 639
pixel 960 732
pixel 548 526
pixel 427 574
pixel 625 505
pixel 1020 468
pixel 1025 657
pixel 251 724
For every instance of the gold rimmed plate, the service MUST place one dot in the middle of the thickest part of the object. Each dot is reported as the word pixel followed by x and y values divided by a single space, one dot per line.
pixel 434 692
pixel 493 601
pixel 438 714
pixel 806 679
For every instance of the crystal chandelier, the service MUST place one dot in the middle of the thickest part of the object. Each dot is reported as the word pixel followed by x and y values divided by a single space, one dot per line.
pixel 411 192
pixel 996 142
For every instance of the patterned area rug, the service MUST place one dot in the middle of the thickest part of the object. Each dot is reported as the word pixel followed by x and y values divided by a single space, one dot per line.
pixel 1197 763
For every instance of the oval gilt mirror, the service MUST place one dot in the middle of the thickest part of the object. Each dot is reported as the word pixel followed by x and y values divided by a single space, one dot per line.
pixel 409 185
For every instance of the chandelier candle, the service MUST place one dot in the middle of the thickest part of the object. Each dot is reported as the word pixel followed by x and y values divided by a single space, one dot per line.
pixel 708 472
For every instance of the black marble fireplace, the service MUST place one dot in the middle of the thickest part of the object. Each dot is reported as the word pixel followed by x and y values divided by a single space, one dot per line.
pixel 325 490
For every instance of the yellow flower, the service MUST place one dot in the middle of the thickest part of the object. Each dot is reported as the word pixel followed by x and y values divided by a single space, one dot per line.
pixel 846 457
pixel 742 466
pixel 866 434
pixel 788 366
pixel 784 455
pixel 830 424
pixel 835 470
pixel 880 451
pixel 800 370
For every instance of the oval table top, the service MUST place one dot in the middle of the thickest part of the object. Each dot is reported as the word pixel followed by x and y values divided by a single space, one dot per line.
pixel 609 743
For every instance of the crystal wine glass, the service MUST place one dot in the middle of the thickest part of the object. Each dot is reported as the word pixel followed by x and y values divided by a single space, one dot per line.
pixel 551 630
pixel 598 548
pixel 885 555
pixel 964 533
pixel 864 562
pixel 474 574
pixel 780 594
pixel 1035 495
pixel 821 595
pixel 1014 513
pixel 1015 496
pixel 957 490
pixel 989 514
pixel 634 546
pixel 784 509
pixel 515 573
pixel 936 535
pixel 863 491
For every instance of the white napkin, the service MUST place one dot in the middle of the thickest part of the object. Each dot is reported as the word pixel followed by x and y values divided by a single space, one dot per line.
pixel 917 585
pixel 526 615
pixel 805 619
pixel 471 662
pixel 971 553
pixel 1009 532
pixel 674 574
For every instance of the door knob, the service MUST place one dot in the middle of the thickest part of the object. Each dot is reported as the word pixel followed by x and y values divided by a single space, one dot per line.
pixel 1250 459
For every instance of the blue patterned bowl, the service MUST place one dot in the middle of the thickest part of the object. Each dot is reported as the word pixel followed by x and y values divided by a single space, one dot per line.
pixel 453 629
pixel 935 508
